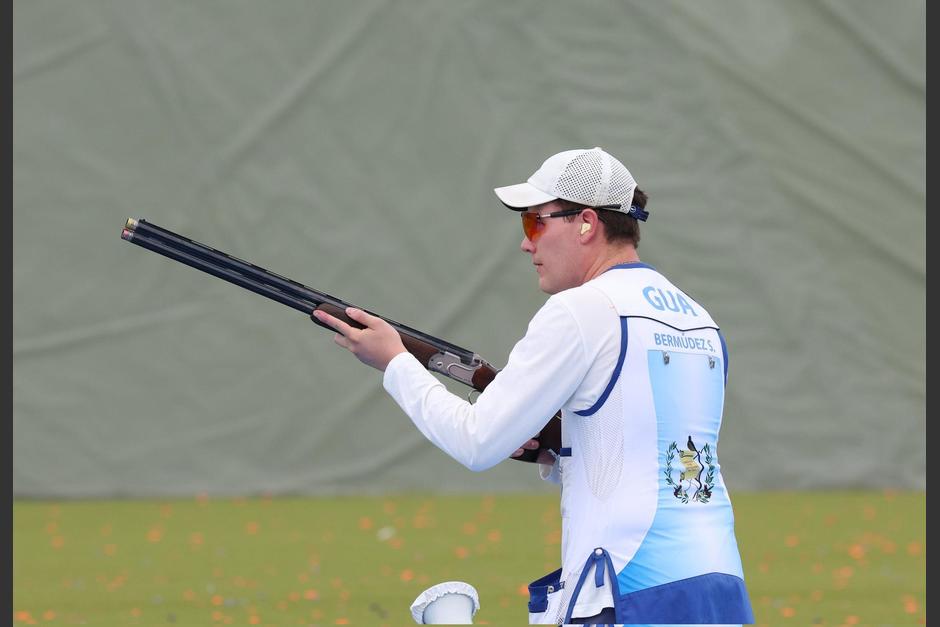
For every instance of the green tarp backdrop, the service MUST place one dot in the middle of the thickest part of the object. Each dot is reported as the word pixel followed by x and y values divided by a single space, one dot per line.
pixel 353 146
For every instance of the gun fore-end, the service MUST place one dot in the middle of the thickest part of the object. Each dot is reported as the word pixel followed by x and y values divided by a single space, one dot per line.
pixel 336 312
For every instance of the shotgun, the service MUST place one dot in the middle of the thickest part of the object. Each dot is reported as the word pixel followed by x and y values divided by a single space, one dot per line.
pixel 435 354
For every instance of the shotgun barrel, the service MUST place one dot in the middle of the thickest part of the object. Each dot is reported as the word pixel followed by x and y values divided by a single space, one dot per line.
pixel 436 354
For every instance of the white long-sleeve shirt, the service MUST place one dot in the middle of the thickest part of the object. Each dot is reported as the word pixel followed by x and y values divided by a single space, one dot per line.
pixel 565 358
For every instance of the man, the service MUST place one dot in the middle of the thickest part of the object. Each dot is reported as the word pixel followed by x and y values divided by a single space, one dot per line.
pixel 638 369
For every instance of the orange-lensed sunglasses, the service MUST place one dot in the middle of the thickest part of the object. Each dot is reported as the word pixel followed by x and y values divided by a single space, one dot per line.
pixel 532 224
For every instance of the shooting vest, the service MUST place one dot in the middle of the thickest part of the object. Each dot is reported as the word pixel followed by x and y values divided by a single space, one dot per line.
pixel 647 525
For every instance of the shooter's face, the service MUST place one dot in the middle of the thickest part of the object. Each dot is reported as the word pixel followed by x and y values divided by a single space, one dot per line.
pixel 553 246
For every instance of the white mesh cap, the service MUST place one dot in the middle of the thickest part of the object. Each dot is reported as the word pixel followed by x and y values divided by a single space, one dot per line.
pixel 588 177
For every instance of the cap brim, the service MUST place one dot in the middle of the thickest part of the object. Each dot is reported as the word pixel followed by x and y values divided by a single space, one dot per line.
pixel 522 196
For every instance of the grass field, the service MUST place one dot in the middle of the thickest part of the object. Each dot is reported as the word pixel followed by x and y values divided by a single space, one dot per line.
pixel 809 558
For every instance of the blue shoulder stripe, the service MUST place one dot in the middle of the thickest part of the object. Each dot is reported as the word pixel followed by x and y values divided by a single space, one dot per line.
pixel 616 375
pixel 724 353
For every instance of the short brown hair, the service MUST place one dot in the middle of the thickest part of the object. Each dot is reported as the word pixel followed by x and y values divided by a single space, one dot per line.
pixel 618 226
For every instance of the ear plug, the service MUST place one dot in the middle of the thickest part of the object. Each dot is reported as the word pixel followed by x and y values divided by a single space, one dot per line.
pixel 585 228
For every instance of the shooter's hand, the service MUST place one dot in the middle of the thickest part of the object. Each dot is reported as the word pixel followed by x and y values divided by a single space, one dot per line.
pixel 375 345
pixel 544 456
